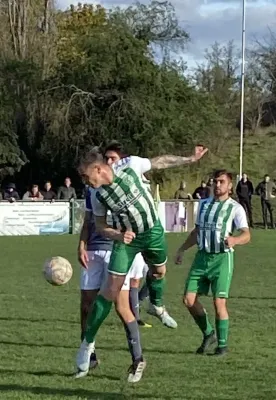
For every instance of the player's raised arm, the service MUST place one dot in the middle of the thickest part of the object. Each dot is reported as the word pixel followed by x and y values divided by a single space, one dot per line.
pixel 170 161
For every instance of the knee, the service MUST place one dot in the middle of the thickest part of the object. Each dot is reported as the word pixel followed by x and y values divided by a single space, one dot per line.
pixel 189 300
pixel 134 283
pixel 86 302
pixel 220 305
pixel 158 272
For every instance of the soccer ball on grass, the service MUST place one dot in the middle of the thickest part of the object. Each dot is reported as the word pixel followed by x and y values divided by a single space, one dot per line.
pixel 57 271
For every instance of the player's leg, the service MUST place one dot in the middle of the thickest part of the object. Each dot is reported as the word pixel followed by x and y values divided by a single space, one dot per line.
pixel 136 274
pixel 121 259
pixel 270 210
pixel 90 283
pixel 132 333
pixel 155 255
pixel 144 291
pixel 264 212
pixel 197 284
pixel 221 281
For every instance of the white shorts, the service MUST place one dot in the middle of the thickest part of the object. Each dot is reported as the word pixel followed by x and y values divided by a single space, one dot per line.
pixel 138 270
pixel 94 277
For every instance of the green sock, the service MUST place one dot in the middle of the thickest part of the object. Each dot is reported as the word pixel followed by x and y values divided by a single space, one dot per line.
pixel 203 323
pixel 222 328
pixel 156 289
pixel 100 311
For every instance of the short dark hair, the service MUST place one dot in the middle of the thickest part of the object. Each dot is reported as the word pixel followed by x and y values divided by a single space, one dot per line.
pixel 93 156
pixel 266 176
pixel 117 147
pixel 220 172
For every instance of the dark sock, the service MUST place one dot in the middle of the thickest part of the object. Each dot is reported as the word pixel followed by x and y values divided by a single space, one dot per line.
pixel 144 292
pixel 156 288
pixel 222 328
pixel 100 311
pixel 134 302
pixel 203 323
pixel 133 339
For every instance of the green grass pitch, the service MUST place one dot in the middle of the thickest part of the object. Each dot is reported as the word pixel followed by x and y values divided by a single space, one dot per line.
pixel 39 332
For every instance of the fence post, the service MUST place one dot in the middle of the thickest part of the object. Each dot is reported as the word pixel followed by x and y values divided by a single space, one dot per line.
pixel 72 215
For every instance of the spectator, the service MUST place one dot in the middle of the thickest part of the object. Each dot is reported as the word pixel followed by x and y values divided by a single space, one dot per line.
pixel 201 192
pixel 210 187
pixel 181 193
pixel 11 194
pixel 265 191
pixel 244 192
pixel 48 193
pixel 33 195
pixel 66 192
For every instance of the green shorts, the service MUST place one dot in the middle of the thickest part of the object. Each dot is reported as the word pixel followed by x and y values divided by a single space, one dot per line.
pixel 152 245
pixel 215 270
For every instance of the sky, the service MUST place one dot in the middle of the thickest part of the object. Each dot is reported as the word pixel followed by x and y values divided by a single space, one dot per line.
pixel 208 21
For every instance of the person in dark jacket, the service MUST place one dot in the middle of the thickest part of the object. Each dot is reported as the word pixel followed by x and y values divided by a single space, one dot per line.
pixel 66 192
pixel 265 190
pixel 11 194
pixel 244 191
pixel 48 193
pixel 202 192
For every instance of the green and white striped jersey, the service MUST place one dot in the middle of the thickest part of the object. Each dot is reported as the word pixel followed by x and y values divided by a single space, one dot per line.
pixel 128 199
pixel 216 221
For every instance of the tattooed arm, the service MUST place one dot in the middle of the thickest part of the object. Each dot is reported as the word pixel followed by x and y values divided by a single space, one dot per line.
pixel 169 161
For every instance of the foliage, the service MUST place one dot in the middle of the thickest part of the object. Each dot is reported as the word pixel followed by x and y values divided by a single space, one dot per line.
pixel 81 77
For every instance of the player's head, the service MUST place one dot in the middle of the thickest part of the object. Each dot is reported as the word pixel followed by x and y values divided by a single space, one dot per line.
pixel 223 180
pixel 114 152
pixel 266 178
pixel 93 169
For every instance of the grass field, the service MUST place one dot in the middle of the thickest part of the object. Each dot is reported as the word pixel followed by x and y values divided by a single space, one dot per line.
pixel 39 332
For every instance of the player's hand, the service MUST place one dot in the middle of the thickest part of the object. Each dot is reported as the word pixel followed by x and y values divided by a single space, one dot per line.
pixel 230 242
pixel 127 237
pixel 179 257
pixel 83 258
pixel 199 152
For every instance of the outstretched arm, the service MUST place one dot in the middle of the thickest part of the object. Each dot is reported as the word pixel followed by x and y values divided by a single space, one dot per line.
pixel 169 161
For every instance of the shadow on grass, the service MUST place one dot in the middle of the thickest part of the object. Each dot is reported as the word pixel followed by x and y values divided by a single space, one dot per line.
pixel 47 320
pixel 79 393
pixel 111 348
pixel 56 373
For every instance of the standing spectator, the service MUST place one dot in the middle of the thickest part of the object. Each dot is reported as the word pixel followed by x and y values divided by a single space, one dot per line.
pixel 201 192
pixel 11 194
pixel 48 193
pixel 181 193
pixel 244 192
pixel 66 192
pixel 210 187
pixel 33 195
pixel 265 191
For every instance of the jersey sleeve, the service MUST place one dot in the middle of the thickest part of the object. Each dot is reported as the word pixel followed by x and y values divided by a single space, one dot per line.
pixel 240 219
pixel 99 210
pixel 139 164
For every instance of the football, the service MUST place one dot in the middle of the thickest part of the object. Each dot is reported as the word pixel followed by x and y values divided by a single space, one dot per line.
pixel 57 271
